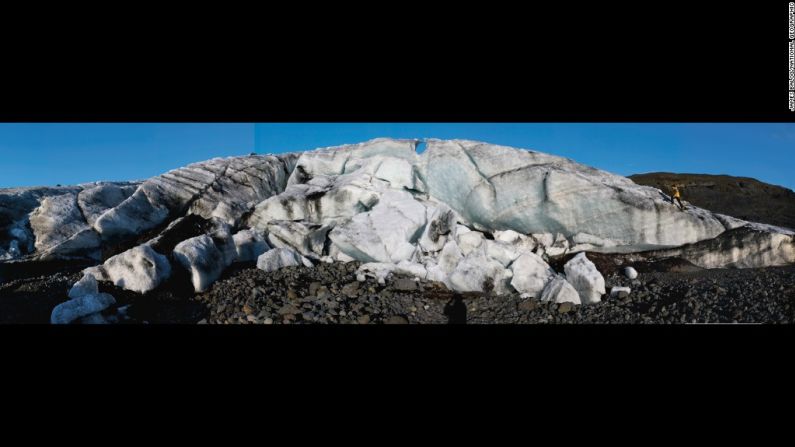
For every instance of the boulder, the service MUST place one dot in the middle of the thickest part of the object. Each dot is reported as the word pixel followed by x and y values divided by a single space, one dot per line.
pixel 530 274
pixel 279 258
pixel 139 269
pixel 558 290
pixel 206 257
pixel 586 279
pixel 81 306
pixel 249 245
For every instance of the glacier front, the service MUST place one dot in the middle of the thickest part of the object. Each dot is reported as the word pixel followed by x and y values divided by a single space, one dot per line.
pixel 472 215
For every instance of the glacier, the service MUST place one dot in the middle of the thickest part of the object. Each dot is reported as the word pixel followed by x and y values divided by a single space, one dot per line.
pixel 472 215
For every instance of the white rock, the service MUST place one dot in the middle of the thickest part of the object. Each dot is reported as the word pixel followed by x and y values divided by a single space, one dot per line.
pixel 87 285
pixel 139 269
pixel 308 239
pixel 81 306
pixel 400 173
pixel 558 290
pixel 630 272
pixel 448 259
pixel 12 252
pixel 530 274
pixel 380 271
pixel 322 200
pixel 348 158
pixel 507 236
pixel 469 242
pixel 278 258
pixel 502 252
pixel 478 273
pixel 97 271
pixel 461 229
pixel 560 246
pixel 249 244
pixel 411 269
pixel 385 234
pixel 440 223
pixel 586 279
pixel 206 257
pixel 615 291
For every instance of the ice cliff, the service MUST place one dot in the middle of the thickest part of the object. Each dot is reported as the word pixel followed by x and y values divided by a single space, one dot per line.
pixel 476 216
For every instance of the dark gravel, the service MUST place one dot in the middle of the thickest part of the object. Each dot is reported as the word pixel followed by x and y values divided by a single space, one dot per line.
pixel 31 300
pixel 330 293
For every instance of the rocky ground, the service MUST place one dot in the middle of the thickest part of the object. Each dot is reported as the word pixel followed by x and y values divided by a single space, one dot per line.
pixel 331 294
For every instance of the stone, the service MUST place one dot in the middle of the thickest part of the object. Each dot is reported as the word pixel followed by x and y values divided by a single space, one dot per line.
pixel 350 290
pixel 620 292
pixel 405 285
pixel 565 307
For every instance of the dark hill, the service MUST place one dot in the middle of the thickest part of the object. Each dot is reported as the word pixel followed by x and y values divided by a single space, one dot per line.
pixel 741 197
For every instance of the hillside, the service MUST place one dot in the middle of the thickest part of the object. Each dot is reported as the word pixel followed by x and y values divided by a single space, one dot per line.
pixel 741 197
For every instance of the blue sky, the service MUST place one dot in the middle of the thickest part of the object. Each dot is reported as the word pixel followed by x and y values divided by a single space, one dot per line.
pixel 49 154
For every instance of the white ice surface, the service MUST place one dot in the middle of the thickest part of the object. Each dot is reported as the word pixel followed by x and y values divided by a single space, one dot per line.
pixel 586 279
pixel 81 306
pixel 249 244
pixel 530 274
pixel 558 290
pixel 206 257
pixel 278 258
pixel 139 269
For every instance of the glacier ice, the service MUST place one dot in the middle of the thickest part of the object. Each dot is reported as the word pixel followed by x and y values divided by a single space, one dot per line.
pixel 558 290
pixel 59 228
pixel 586 279
pixel 139 269
pixel 308 239
pixel 475 216
pixel 388 233
pixel 748 246
pixel 87 285
pixel 530 274
pixel 85 303
pixel 81 306
pixel 278 258
pixel 249 244
pixel 206 257
pixel 95 200
pixel 380 270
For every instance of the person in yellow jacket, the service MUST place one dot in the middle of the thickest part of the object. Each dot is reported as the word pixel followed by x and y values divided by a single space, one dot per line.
pixel 676 195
